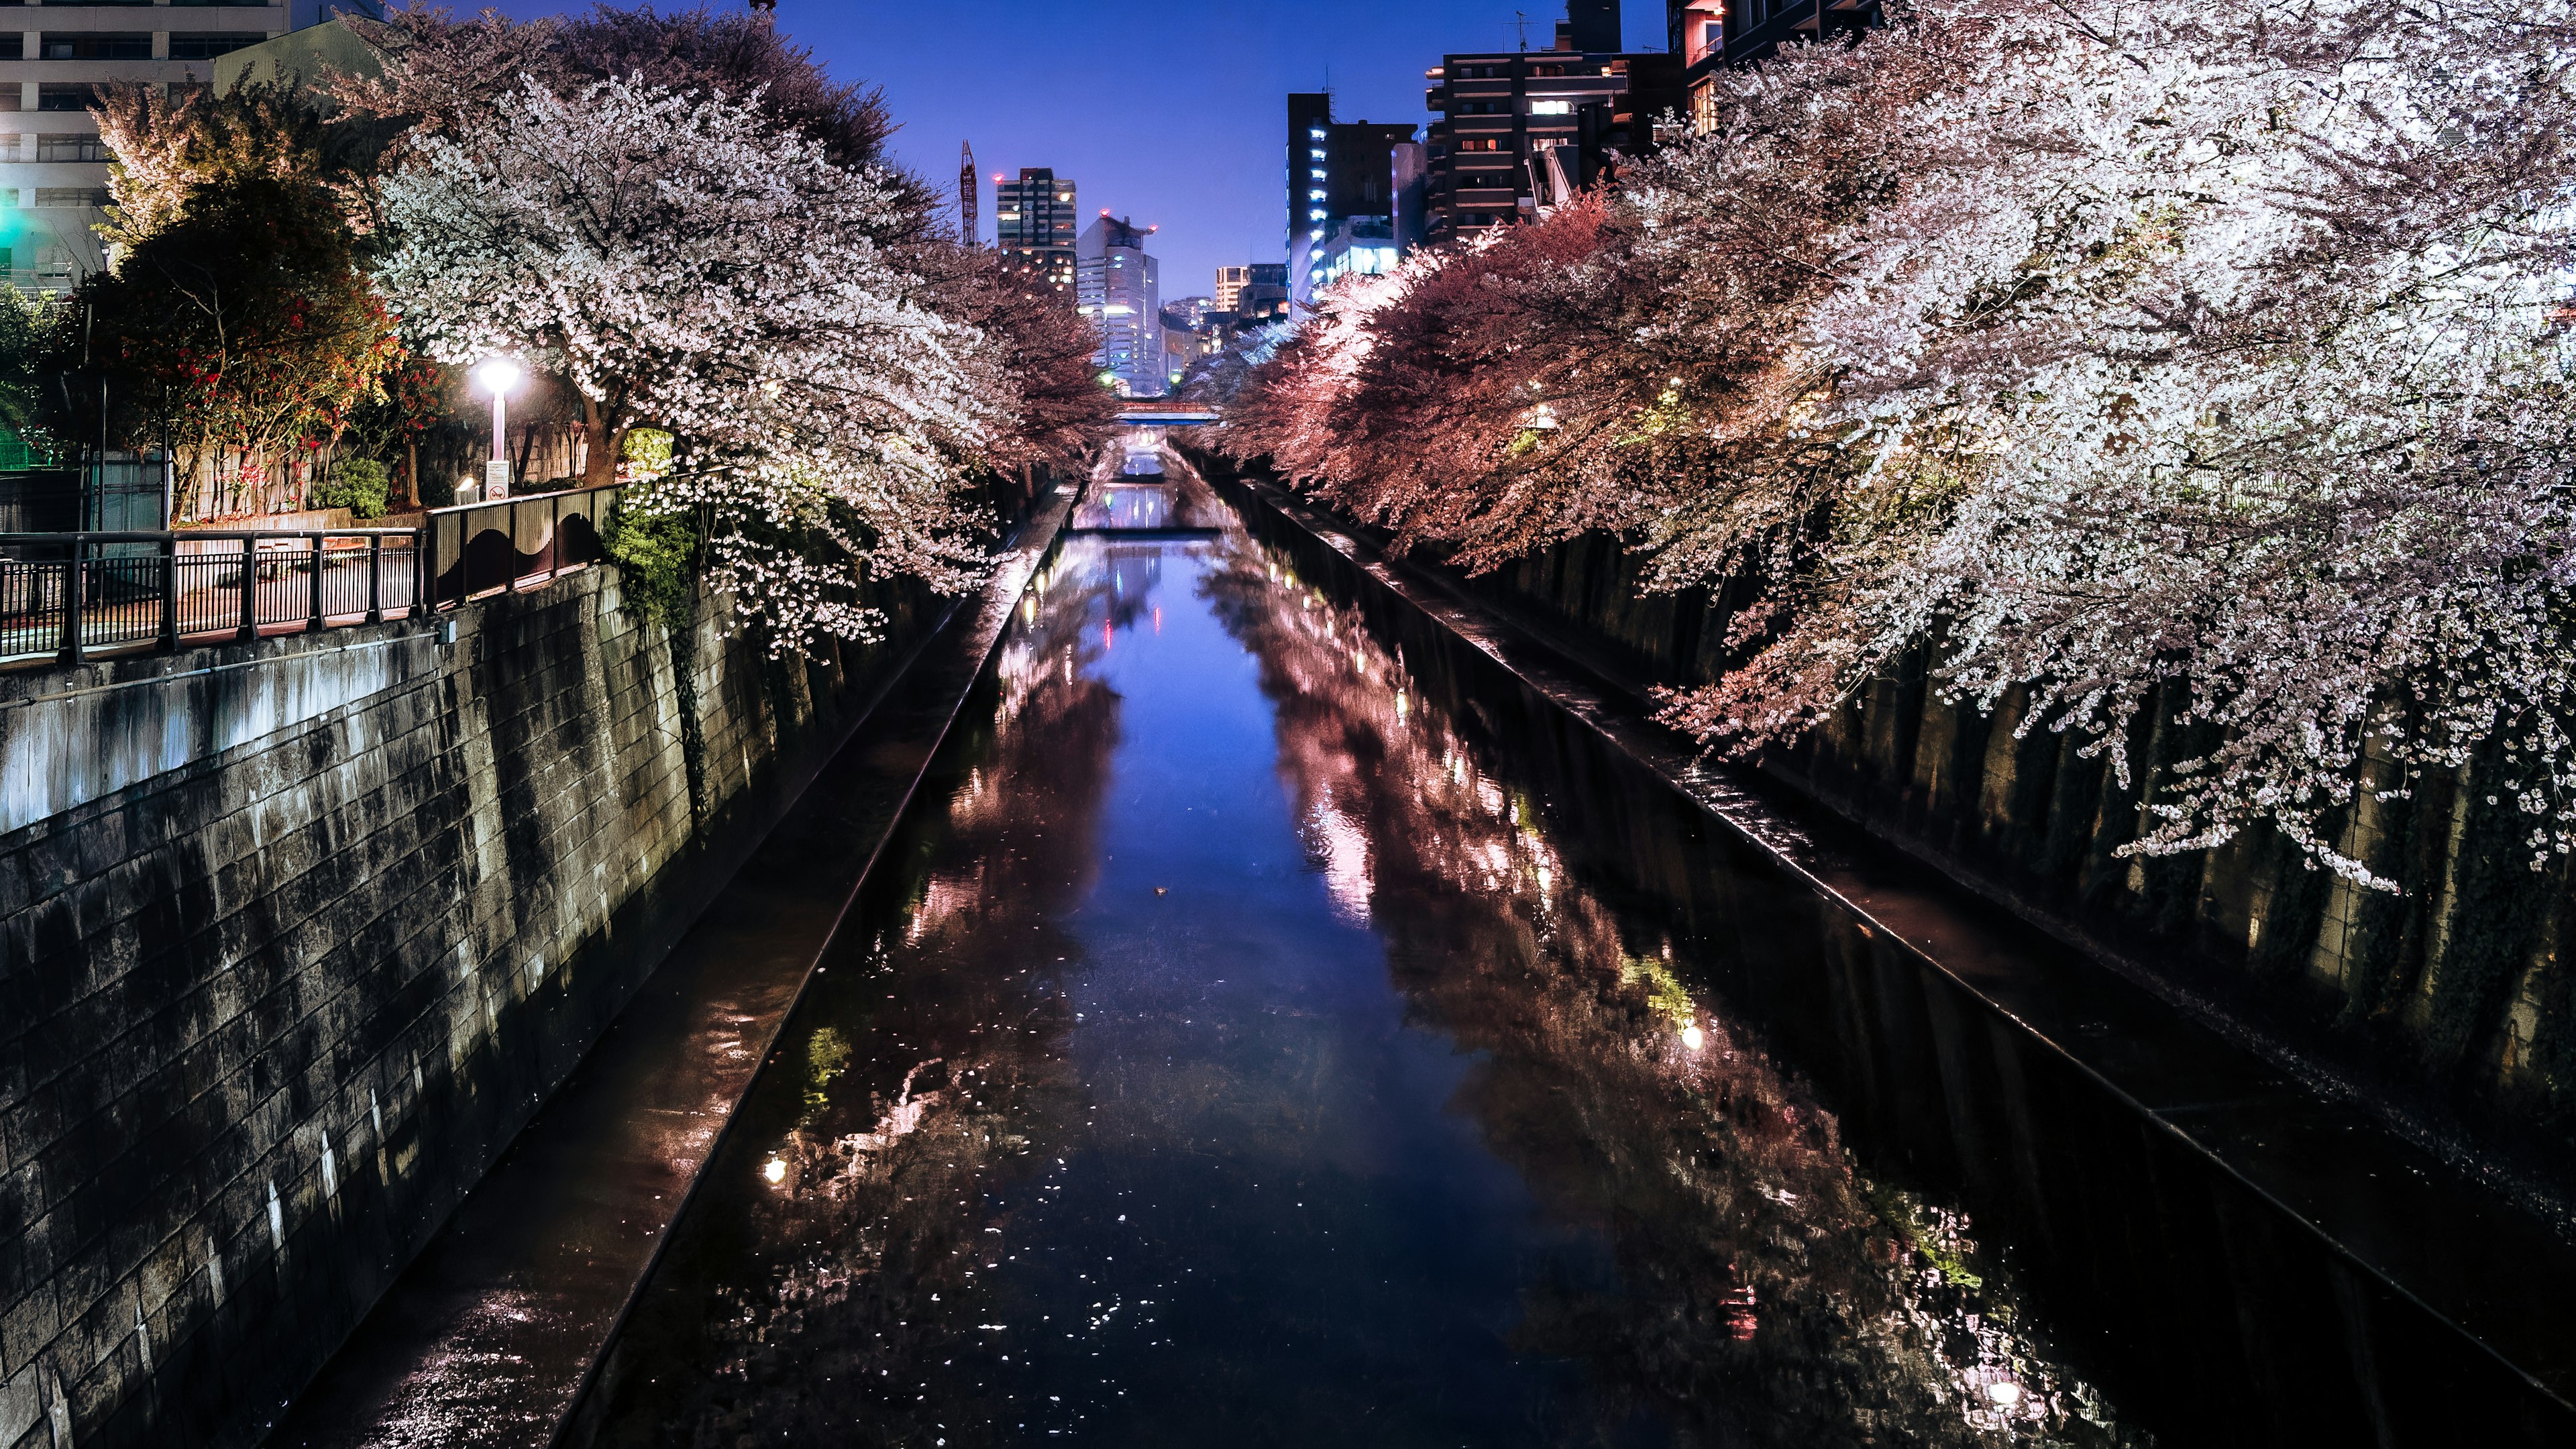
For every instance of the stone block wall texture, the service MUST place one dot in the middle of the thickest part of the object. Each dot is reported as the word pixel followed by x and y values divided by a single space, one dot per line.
pixel 2452 991
pixel 295 935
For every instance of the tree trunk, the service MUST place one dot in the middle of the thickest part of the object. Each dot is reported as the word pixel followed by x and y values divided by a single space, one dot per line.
pixel 599 469
pixel 411 472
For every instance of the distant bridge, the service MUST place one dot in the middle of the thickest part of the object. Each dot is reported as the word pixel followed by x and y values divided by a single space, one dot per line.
pixel 1149 413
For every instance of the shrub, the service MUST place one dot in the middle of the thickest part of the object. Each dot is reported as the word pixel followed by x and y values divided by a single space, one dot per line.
pixel 360 485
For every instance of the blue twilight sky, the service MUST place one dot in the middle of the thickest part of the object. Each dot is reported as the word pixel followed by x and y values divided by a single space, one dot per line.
pixel 1172 112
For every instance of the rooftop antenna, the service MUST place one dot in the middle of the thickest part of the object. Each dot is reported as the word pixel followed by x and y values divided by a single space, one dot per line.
pixel 1520 21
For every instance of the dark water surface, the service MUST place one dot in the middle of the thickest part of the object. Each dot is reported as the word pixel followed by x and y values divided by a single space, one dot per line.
pixel 1252 1051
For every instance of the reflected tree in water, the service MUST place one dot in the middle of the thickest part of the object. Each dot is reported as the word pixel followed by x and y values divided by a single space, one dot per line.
pixel 1769 1291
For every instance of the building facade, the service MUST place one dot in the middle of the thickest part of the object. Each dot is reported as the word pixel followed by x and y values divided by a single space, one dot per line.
pixel 1229 286
pixel 1117 287
pixel 1358 246
pixel 53 167
pixel 1710 34
pixel 1520 131
pixel 1337 171
pixel 1035 224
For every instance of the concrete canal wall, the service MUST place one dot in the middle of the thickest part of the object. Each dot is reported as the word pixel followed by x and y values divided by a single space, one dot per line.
pixel 295 935
pixel 2453 992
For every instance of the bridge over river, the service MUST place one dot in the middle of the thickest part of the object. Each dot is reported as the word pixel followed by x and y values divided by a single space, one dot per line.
pixel 1158 413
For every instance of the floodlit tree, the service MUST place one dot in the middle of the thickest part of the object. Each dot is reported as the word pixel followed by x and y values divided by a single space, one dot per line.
pixel 688 265
pixel 2196 362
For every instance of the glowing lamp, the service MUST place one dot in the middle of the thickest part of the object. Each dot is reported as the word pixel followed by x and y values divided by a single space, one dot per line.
pixel 497 375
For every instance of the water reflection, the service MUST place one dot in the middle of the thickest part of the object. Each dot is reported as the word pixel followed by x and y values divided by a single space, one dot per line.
pixel 1766 1289
pixel 1244 1057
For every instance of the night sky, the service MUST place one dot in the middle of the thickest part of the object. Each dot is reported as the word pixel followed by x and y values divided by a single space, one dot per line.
pixel 1171 112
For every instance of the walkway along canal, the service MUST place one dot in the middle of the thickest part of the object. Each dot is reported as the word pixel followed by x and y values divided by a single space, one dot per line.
pixel 1282 1023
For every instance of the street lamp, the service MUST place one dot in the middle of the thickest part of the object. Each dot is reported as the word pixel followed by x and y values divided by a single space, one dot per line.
pixel 497 375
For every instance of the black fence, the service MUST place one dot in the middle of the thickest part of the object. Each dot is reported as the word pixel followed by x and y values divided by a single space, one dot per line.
pixel 511 543
pixel 65 596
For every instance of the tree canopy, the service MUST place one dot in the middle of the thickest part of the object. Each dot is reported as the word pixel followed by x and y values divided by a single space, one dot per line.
pixel 2103 351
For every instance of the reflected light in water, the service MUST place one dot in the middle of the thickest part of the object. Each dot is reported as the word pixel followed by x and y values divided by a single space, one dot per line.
pixel 775 1171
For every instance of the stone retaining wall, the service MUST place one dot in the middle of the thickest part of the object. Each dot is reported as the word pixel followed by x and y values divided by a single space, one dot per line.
pixel 293 938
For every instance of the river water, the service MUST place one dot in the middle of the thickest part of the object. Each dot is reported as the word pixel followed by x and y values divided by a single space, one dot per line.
pixel 1242 1052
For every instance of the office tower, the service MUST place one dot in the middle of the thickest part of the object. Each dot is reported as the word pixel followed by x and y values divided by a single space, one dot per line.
pixel 1117 287
pixel 1522 131
pixel 1034 223
pixel 1336 171
pixel 53 167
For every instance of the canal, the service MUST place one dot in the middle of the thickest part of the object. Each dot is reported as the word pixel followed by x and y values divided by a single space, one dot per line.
pixel 1268 1031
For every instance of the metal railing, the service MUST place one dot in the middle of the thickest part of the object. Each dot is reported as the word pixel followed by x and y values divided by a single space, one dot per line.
pixel 478 548
pixel 65 596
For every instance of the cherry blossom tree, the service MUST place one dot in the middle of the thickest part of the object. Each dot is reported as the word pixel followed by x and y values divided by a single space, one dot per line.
pixel 2106 351
pixel 690 266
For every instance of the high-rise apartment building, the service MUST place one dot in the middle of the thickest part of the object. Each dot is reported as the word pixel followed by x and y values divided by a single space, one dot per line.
pixel 1035 224
pixel 1117 286
pixel 1521 131
pixel 1337 170
pixel 53 168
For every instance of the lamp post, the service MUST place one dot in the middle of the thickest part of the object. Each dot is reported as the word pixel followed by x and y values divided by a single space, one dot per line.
pixel 497 375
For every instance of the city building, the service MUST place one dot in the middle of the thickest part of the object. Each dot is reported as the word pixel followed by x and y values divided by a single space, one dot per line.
pixel 1193 328
pixel 1521 131
pixel 1034 223
pixel 1256 291
pixel 1359 245
pixel 53 167
pixel 1116 286
pixel 1412 191
pixel 1263 295
pixel 1710 34
pixel 1229 285
pixel 1337 170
